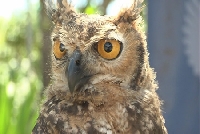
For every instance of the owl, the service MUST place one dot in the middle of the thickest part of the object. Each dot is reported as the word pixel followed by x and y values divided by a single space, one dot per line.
pixel 101 79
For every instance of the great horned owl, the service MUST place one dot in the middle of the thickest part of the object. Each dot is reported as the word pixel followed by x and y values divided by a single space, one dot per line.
pixel 101 78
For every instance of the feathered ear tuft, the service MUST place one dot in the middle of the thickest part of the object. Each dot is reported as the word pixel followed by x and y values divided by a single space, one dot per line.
pixel 128 15
pixel 57 9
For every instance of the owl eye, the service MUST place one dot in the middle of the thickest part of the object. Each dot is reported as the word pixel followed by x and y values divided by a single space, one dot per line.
pixel 109 49
pixel 59 49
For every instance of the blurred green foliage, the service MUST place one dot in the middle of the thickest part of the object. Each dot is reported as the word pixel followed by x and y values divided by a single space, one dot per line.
pixel 20 68
pixel 20 75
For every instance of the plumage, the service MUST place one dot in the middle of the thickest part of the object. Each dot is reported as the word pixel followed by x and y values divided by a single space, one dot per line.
pixel 101 78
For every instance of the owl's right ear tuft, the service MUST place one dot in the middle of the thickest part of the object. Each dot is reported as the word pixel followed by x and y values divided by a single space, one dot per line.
pixel 57 9
pixel 129 15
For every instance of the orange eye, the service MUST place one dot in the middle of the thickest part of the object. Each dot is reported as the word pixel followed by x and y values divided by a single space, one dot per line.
pixel 108 49
pixel 59 49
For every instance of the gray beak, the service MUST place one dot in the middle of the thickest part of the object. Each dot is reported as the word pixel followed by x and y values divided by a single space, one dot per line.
pixel 74 72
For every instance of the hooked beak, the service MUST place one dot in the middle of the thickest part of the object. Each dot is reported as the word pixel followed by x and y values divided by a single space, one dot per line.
pixel 74 72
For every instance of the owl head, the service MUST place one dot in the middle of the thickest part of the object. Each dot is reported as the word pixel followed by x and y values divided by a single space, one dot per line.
pixel 92 54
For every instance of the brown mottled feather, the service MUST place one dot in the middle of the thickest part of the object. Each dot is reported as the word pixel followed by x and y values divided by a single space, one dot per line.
pixel 120 95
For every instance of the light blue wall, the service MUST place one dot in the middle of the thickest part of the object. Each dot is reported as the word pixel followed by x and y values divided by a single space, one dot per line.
pixel 173 43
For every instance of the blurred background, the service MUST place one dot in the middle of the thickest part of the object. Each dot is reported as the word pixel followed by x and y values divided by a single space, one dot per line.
pixel 172 28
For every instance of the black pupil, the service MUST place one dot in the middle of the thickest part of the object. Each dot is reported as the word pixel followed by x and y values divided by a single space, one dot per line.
pixel 62 47
pixel 108 47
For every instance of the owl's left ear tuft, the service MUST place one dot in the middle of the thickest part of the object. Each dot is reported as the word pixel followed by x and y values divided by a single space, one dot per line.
pixel 57 9
pixel 128 15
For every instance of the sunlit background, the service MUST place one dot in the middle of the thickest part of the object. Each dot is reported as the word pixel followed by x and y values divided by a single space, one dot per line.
pixel 25 63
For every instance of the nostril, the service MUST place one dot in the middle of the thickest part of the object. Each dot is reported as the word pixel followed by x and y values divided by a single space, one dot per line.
pixel 78 62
